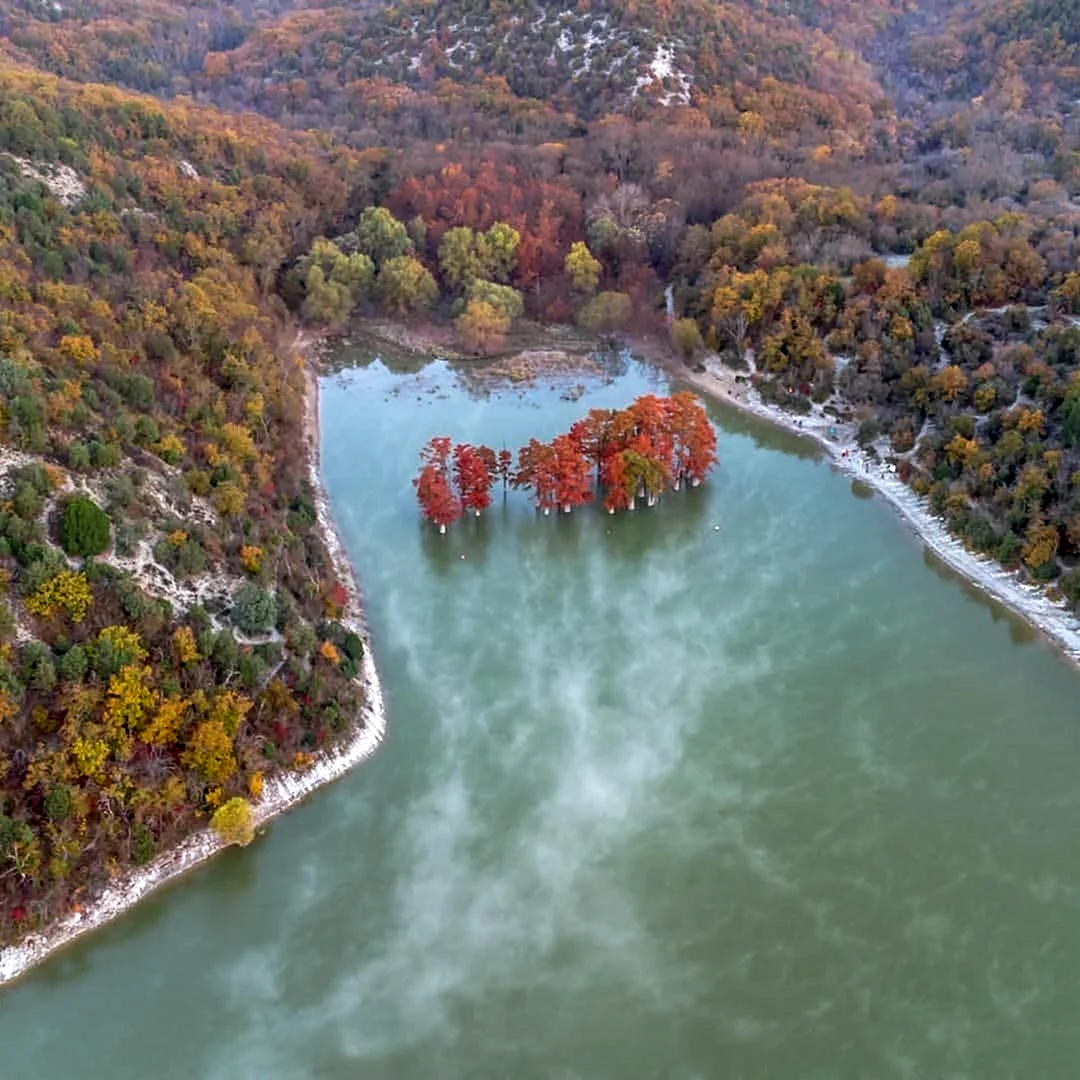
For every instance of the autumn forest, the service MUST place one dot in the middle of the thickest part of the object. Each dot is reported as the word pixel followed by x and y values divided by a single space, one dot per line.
pixel 868 207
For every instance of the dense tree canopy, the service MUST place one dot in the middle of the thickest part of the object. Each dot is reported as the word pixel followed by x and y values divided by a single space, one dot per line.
pixel 84 527
pixel 146 377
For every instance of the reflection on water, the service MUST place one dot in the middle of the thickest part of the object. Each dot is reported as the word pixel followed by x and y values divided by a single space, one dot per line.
pixel 765 436
pixel 1020 631
pixel 467 540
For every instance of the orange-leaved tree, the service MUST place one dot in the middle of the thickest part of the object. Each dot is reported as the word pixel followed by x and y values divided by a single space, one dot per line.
pixel 435 492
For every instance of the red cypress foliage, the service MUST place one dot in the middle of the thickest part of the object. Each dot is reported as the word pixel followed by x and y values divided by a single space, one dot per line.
pixel 613 476
pixel 505 465
pixel 653 444
pixel 439 502
pixel 694 441
pixel 537 471
pixel 592 434
pixel 474 473
pixel 573 485
pixel 480 191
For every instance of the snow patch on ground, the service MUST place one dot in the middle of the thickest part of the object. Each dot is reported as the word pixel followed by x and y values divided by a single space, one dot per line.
pixel 155 579
pixel 61 180
pixel 662 69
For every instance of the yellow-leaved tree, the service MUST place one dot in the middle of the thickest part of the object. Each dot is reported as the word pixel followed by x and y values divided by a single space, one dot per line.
pixel 210 752
pixel 232 821
pixel 68 592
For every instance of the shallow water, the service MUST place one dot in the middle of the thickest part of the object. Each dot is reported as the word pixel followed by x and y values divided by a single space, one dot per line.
pixel 657 800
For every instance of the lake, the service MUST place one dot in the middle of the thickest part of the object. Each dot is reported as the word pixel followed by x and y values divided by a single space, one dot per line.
pixel 658 799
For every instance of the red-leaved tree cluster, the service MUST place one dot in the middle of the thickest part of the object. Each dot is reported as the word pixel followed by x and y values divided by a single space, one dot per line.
pixel 633 453
pixel 455 480
pixel 638 452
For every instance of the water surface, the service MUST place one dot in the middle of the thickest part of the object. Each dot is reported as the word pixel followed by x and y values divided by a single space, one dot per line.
pixel 657 800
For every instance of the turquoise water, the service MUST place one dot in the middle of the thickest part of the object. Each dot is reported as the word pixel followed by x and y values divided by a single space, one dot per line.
pixel 657 800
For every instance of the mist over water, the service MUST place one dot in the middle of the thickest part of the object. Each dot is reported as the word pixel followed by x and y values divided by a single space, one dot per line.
pixel 657 800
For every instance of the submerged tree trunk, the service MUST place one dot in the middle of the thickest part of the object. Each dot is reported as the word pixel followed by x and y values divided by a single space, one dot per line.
pixel 442 529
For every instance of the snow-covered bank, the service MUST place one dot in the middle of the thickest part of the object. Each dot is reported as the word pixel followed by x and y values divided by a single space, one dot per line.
pixel 280 792
pixel 1053 619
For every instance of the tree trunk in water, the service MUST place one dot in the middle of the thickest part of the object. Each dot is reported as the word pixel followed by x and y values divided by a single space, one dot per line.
pixel 566 509
pixel 547 511
pixel 651 500
pixel 477 513
pixel 695 481
pixel 442 529
pixel 611 509
pixel 630 504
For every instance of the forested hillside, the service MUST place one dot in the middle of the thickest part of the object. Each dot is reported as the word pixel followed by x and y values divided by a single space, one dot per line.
pixel 167 633
pixel 152 45
pixel 1022 55
pixel 872 207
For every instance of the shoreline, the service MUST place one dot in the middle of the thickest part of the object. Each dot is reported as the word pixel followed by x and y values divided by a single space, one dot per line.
pixel 281 792
pixel 1029 602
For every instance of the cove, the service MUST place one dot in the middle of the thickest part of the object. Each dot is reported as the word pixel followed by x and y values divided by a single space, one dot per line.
pixel 656 799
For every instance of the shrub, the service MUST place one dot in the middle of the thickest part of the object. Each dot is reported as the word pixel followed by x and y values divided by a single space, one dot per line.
pixel 301 637
pixel 79 456
pixel 251 557
pixel 606 313
pixel 354 646
pixel 73 664
pixel 232 821
pixel 27 502
pixel 67 592
pixel 58 802
pixel 84 527
pixel 1008 552
pixel 254 610
pixel 1070 586
pixel 868 431
pixel 252 667
pixel 686 337
pixel 143 846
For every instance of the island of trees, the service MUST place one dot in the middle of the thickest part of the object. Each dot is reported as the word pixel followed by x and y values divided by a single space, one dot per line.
pixel 653 445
